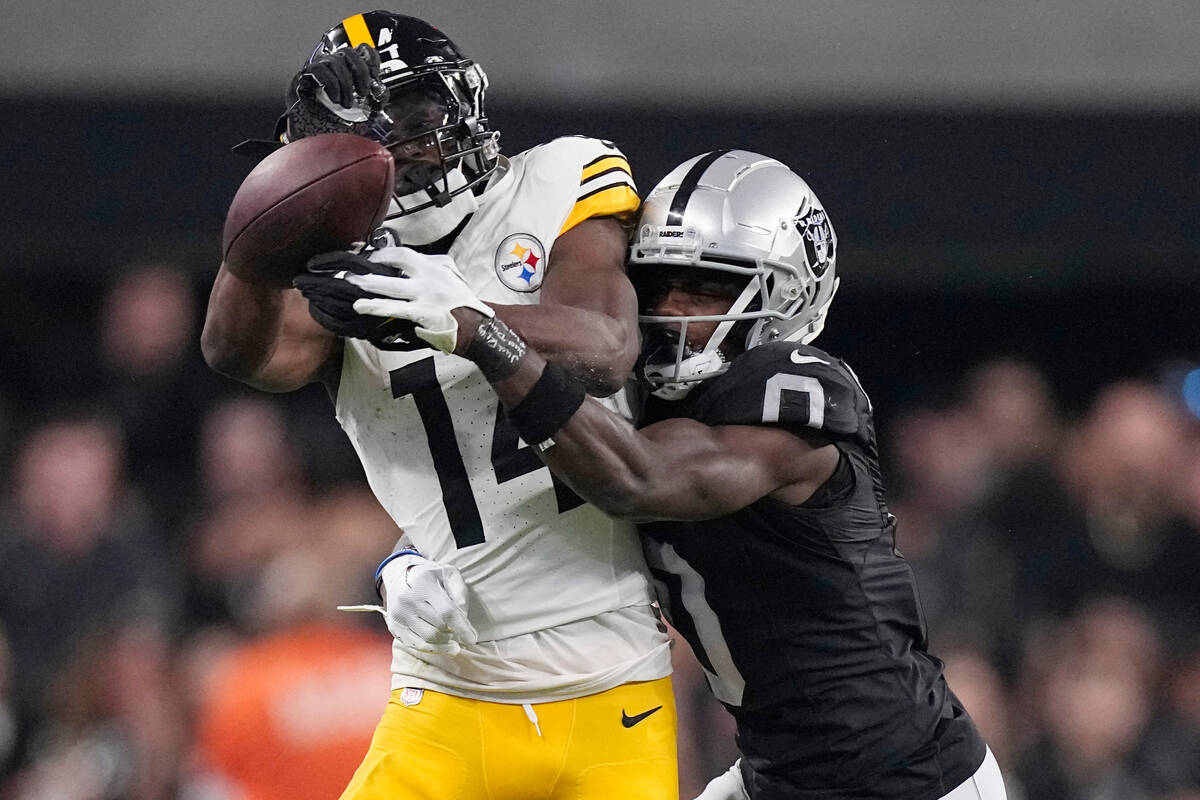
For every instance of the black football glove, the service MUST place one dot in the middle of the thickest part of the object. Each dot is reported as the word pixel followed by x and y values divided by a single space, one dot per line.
pixel 331 301
pixel 338 92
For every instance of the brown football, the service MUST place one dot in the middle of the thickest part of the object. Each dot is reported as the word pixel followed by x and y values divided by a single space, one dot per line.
pixel 314 195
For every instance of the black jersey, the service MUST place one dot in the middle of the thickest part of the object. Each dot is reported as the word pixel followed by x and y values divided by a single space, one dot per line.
pixel 806 618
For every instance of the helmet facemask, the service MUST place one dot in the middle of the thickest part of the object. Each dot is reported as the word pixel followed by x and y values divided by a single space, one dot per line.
pixel 441 150
pixel 433 122
pixel 442 153
pixel 773 296
pixel 731 216
pixel 666 258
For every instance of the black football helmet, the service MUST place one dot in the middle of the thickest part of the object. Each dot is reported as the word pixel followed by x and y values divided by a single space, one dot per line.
pixel 420 65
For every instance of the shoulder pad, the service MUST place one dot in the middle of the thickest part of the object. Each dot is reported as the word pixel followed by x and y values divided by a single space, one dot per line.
pixel 789 385
pixel 599 175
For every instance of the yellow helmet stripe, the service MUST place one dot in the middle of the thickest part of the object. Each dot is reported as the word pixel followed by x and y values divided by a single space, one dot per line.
pixel 357 31
pixel 618 201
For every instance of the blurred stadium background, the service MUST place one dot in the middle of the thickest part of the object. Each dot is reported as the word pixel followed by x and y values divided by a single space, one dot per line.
pixel 1014 187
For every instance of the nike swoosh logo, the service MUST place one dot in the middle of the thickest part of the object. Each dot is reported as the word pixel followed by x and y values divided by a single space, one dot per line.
pixel 799 359
pixel 629 721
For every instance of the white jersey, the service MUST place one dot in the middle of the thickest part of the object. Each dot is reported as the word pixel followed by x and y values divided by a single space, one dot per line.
pixel 558 592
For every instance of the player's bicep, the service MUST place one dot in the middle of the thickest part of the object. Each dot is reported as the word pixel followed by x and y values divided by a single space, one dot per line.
pixel 586 316
pixel 587 271
pixel 702 472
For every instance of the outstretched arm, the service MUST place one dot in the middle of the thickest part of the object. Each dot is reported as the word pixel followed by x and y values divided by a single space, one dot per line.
pixel 677 469
pixel 680 469
pixel 264 336
pixel 586 320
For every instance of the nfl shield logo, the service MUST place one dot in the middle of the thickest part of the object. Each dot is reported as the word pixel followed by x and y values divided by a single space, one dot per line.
pixel 410 696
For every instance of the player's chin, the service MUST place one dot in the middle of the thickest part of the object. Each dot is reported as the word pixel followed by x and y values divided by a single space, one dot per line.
pixel 697 338
pixel 417 177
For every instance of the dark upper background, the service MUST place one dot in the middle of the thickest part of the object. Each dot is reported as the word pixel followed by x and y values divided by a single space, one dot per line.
pixel 1066 238
pixel 1000 181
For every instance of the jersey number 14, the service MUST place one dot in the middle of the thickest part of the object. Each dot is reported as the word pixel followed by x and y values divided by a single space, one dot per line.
pixel 509 459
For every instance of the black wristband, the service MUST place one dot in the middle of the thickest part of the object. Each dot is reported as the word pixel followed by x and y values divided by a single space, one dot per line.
pixel 552 401
pixel 496 349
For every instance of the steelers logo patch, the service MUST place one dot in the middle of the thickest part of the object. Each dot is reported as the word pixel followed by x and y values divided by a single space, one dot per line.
pixel 521 262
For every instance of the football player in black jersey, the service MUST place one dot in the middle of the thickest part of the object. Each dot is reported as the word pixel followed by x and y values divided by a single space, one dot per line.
pixel 757 485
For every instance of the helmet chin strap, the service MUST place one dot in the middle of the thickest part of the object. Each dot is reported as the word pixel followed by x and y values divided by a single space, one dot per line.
pixel 677 378
pixel 432 223
pixel 695 367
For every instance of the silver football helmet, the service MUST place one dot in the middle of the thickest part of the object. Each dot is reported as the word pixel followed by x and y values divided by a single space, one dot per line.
pixel 752 221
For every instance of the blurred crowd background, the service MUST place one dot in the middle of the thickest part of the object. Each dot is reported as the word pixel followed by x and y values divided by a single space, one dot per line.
pixel 1015 197
pixel 172 549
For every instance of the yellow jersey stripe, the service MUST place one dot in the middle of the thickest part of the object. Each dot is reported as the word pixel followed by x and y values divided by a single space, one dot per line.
pixel 604 164
pixel 618 200
pixel 356 29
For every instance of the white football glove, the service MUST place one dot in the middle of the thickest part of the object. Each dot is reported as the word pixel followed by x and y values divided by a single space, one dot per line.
pixel 425 605
pixel 726 786
pixel 430 288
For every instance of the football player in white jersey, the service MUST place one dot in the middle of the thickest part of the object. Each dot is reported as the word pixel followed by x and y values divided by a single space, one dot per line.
pixel 560 687
pixel 756 479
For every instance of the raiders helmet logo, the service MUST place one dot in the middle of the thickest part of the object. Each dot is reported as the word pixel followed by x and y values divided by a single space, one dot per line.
pixel 819 243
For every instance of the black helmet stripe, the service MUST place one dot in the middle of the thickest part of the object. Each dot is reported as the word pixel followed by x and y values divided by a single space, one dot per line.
pixel 688 185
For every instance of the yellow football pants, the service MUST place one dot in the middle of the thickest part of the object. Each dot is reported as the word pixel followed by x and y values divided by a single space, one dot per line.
pixel 602 747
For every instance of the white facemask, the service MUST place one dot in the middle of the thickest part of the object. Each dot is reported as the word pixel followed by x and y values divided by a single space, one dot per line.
pixel 689 374
pixel 430 224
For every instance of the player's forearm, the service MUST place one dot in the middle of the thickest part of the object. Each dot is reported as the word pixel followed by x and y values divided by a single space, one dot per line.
pixel 592 346
pixel 241 325
pixel 586 317
pixel 246 335
pixel 678 473
pixel 609 464
pixel 600 455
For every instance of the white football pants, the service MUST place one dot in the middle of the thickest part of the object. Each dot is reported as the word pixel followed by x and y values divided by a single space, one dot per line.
pixel 985 784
